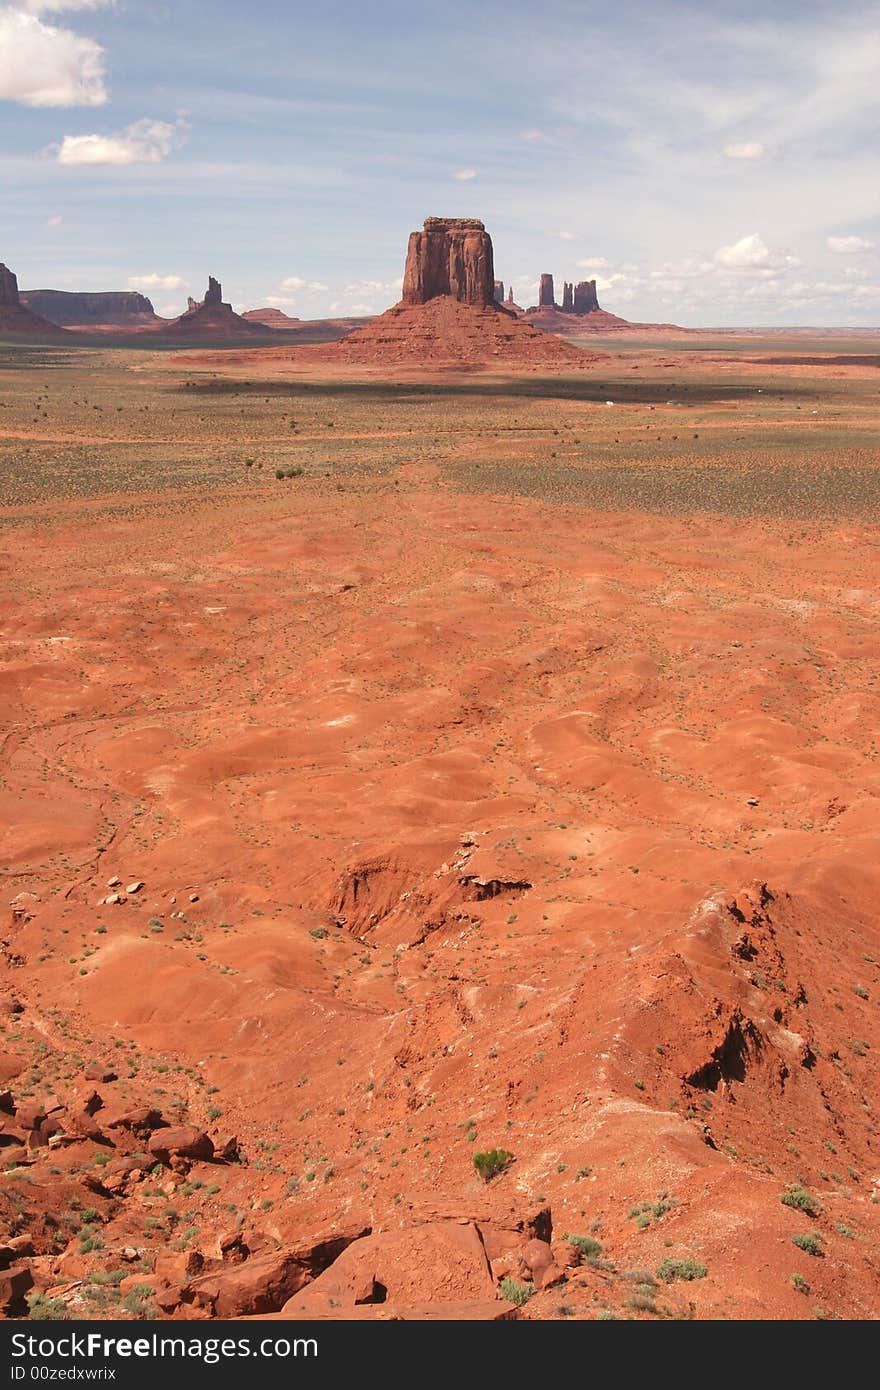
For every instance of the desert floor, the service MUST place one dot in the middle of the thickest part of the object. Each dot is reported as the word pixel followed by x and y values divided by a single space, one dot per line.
pixel 502 776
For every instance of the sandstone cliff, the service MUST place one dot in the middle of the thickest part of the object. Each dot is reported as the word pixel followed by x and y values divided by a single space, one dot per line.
pixel 451 255
pixel 75 309
pixel 15 318
pixel 449 312
pixel 212 319
pixel 546 293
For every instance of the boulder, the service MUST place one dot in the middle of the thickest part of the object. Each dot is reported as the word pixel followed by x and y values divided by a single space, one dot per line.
pixel 30 1115
pixel 10 1066
pixel 259 1285
pixel 440 1263
pixel 24 905
pixel 264 1283
pixel 89 1100
pixel 180 1141
pixel 538 1259
pixel 84 1126
pixel 142 1120
pixel 14 1284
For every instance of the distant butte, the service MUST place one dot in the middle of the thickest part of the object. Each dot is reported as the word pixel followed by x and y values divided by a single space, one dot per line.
pixel 579 313
pixel 450 256
pixel 449 311
pixel 84 309
pixel 212 318
pixel 15 318
pixel 272 318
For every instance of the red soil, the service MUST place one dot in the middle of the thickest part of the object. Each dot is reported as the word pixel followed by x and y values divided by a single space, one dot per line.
pixel 462 824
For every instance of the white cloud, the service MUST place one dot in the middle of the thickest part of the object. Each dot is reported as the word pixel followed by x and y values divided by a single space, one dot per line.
pixel 752 253
pixel 296 282
pixel 153 281
pixel 531 135
pixel 42 65
pixel 748 149
pixel 366 287
pixel 566 236
pixel 465 175
pixel 54 221
pixel 849 245
pixel 143 142
pixel 594 263
pixel 55 6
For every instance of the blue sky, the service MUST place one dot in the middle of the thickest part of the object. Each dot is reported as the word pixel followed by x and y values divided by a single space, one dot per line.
pixel 712 163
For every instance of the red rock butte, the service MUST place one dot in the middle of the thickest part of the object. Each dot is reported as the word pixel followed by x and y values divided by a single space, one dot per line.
pixel 448 311
pixel 212 318
pixel 15 318
pixel 451 255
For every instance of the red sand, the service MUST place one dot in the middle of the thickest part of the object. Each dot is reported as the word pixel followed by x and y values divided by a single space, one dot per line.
pixel 462 824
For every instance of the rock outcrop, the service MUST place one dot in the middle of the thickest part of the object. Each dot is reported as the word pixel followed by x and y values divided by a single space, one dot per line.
pixel 8 288
pixel 272 318
pixel 576 299
pixel 511 305
pixel 212 318
pixel 74 309
pixel 16 318
pixel 449 313
pixel 585 298
pixel 499 291
pixel 450 256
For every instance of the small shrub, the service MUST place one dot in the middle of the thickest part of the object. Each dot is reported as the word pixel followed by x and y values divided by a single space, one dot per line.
pixel 810 1244
pixel 669 1270
pixel 799 1198
pixel 44 1309
pixel 492 1162
pixel 799 1282
pixel 641 1302
pixel 515 1292
pixel 587 1246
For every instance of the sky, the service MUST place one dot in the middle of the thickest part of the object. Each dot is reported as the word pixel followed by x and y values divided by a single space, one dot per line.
pixel 712 163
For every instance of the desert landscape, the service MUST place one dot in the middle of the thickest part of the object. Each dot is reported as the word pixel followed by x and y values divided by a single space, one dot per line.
pixel 439 682
pixel 438 818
